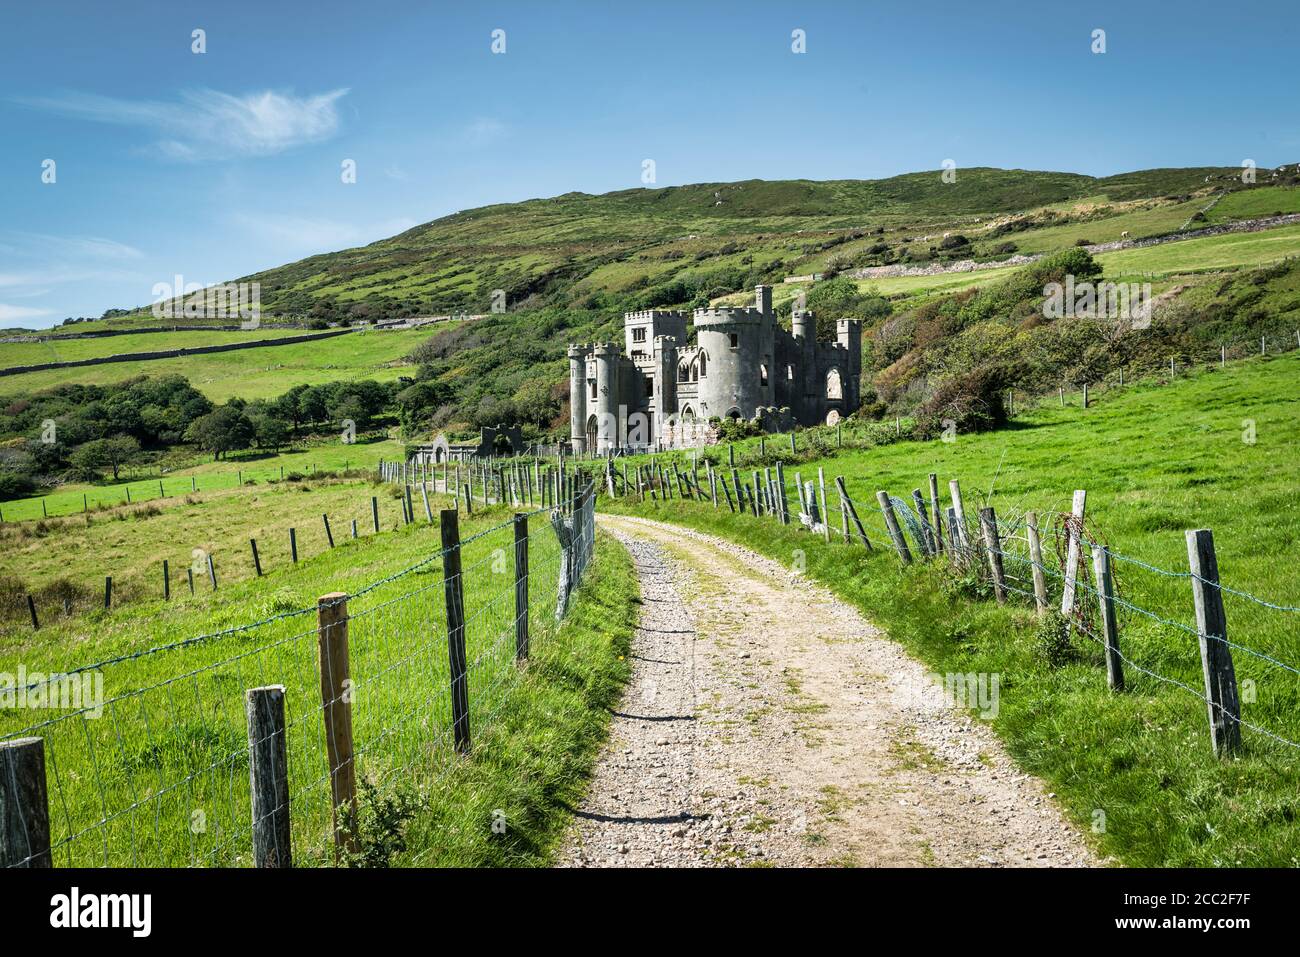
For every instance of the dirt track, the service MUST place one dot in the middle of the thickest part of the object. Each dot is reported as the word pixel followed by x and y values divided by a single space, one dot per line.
pixel 767 722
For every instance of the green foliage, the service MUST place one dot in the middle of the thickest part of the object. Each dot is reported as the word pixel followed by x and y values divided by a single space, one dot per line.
pixel 1052 641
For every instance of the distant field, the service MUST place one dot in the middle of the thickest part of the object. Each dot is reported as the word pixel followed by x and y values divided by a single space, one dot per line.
pixel 1145 222
pixel 65 349
pixel 255 466
pixel 1210 252
pixel 250 373
pixel 1255 203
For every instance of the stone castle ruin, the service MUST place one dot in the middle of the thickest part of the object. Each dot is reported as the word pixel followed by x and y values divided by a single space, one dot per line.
pixel 662 392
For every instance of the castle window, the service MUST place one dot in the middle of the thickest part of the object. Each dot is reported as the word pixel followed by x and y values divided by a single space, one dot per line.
pixel 735 341
pixel 683 373
pixel 789 373
pixel 593 388
pixel 703 362
pixel 638 335
pixel 649 387
pixel 834 387
pixel 762 375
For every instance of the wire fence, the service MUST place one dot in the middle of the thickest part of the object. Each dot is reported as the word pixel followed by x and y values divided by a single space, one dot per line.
pixel 244 747
pixel 1166 626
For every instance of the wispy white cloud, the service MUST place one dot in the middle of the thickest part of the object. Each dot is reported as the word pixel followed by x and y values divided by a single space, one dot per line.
pixel 209 124
pixel 17 313
pixel 484 131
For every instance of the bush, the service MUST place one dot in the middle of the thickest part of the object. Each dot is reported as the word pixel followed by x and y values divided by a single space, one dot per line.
pixel 1052 640
pixel 972 402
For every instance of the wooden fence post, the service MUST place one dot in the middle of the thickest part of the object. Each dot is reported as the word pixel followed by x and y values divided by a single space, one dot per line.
pixel 927 533
pixel 336 700
pixel 257 562
pixel 354 528
pixel 108 592
pixel 1109 623
pixel 989 526
pixel 212 572
pixel 329 535
pixel 521 587
pixel 24 804
pixel 938 515
pixel 1073 537
pixel 167 581
pixel 293 545
pixel 453 590
pixel 374 510
pixel 847 504
pixel 1216 656
pixel 1036 557
pixel 954 489
pixel 821 491
pixel 891 523
pixel 31 610
pixel 268 776
pixel 784 501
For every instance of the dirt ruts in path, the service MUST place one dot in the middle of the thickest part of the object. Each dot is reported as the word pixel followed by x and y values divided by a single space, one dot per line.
pixel 766 722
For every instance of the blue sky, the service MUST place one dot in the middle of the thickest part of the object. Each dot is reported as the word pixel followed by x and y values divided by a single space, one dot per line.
pixel 218 164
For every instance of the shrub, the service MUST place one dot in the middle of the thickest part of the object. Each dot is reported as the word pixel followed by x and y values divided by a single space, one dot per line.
pixel 971 402
pixel 1052 640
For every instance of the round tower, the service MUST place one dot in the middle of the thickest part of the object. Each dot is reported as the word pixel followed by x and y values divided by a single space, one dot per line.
pixel 606 404
pixel 578 397
pixel 741 374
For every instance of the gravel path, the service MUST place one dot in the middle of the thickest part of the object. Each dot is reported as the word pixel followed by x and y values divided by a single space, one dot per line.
pixel 767 723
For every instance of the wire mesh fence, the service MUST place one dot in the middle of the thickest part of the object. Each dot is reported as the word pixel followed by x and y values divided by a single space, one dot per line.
pixel 1169 627
pixel 147 759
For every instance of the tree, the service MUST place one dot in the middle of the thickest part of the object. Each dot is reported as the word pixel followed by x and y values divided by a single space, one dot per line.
pixel 533 400
pixel 112 453
pixel 270 432
pixel 224 430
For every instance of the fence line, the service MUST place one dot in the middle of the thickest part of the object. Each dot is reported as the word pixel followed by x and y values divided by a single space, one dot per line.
pixel 247 746
pixel 996 558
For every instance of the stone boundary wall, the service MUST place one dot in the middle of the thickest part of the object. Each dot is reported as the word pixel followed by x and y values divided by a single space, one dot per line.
pixel 174 353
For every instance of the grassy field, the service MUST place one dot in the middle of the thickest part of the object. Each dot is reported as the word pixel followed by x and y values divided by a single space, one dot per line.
pixel 78 497
pixel 1206 253
pixel 1214 450
pixel 249 374
pixel 160 775
pixel 66 559
pixel 65 349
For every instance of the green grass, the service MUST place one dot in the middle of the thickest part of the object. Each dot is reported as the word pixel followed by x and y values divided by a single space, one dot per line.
pixel 1206 253
pixel 162 777
pixel 1156 459
pixel 75 498
pixel 1255 203
pixel 248 373
pixel 65 349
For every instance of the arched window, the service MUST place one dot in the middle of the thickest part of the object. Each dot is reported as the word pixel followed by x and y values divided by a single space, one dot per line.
pixel 688 414
pixel 834 387
pixel 789 373
pixel 704 364
pixel 762 375
pixel 695 371
pixel 683 373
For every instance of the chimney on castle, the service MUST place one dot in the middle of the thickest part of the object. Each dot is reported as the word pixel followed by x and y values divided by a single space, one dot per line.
pixel 763 300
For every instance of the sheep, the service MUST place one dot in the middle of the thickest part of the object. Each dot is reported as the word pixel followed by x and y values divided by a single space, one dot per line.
pixel 1124 235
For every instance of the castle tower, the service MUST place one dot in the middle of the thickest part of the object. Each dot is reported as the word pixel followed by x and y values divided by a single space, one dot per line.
pixel 665 373
pixel 606 404
pixel 848 333
pixel 578 401
pixel 806 398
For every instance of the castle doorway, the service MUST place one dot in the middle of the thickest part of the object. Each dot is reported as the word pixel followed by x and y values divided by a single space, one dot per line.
pixel 834 386
pixel 593 429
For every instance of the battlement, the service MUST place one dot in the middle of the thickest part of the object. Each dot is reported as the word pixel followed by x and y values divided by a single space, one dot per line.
pixel 605 350
pixel 721 316
pixel 650 315
pixel 579 350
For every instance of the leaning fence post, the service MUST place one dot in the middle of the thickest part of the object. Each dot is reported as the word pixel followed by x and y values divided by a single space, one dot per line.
pixel 453 591
pixel 927 533
pixel 891 522
pixel 1109 624
pixel 938 515
pixel 1216 656
pixel 847 503
pixel 336 700
pixel 1074 534
pixel 24 804
pixel 989 526
pixel 954 489
pixel 329 535
pixel 521 586
pixel 268 776
pixel 1036 558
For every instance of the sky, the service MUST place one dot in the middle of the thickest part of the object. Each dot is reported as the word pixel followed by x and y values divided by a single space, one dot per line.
pixel 213 165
